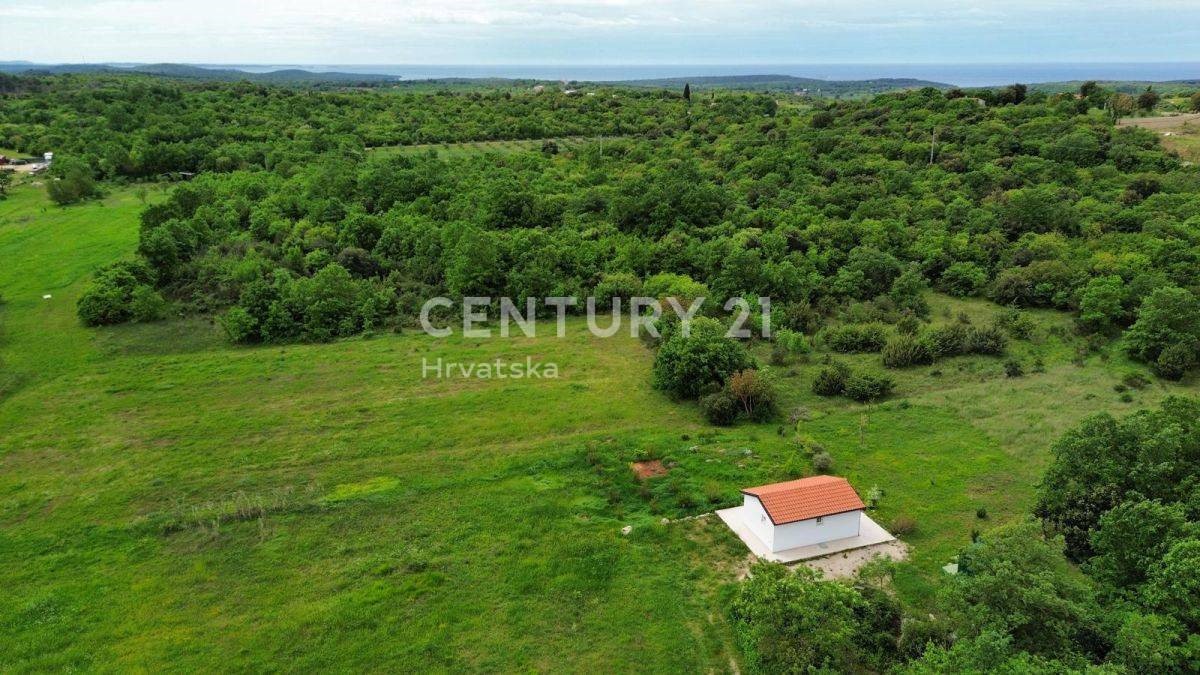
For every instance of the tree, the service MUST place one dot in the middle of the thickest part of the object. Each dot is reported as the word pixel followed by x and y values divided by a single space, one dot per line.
pixel 1101 305
pixel 964 279
pixel 1148 99
pixel 1151 643
pixel 791 622
pixel 1195 102
pixel 1168 317
pixel 755 394
pixel 688 365
pixel 687 91
pixel 5 181
pixel 1015 583
pixel 1098 464
pixel 71 182
pixel 1174 585
pixel 908 292
pixel 1131 539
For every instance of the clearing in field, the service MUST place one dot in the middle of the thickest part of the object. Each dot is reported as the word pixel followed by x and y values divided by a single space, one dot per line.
pixel 1180 133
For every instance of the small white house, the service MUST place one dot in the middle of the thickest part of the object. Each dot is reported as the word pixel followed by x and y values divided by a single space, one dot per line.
pixel 803 512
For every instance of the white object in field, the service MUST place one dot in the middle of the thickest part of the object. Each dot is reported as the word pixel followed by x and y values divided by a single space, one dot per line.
pixel 870 534
pixel 800 533
pixel 46 296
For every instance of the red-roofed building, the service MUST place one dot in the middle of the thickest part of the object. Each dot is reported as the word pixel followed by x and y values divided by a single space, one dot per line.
pixel 802 512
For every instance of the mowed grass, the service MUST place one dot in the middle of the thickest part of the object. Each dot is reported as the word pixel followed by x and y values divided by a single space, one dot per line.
pixel 471 148
pixel 170 502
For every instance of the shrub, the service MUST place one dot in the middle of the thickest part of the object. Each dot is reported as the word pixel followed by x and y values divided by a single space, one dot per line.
pixel 1168 316
pixel 110 298
pixel 867 387
pixel 822 462
pixel 146 304
pixel 964 279
pixel 981 513
pixel 687 365
pixel 1019 325
pixel 948 340
pixel 1175 361
pixel 239 325
pixel 831 381
pixel 71 182
pixel 908 324
pixel 793 341
pixel 988 340
pixel 755 394
pixel 622 285
pixel 854 338
pixel 904 350
pixel 1012 368
pixel 1135 380
pixel 720 408
pixel 903 525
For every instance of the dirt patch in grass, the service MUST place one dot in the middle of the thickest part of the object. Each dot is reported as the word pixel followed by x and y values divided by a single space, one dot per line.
pixel 846 564
pixel 648 469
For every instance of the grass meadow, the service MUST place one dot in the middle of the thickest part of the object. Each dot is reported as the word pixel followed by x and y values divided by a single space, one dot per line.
pixel 171 502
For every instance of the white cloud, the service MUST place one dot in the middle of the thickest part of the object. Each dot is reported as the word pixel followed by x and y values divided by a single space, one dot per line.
pixel 347 31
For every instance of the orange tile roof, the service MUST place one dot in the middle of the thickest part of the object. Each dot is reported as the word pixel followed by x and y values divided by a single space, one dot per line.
pixel 806 498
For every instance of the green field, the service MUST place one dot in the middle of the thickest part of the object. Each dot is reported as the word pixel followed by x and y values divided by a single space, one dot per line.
pixel 169 502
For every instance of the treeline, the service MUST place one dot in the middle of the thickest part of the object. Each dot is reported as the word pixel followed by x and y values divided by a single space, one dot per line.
pixel 144 128
pixel 1125 495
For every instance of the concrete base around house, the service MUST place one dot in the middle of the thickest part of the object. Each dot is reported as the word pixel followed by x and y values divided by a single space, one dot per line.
pixel 869 534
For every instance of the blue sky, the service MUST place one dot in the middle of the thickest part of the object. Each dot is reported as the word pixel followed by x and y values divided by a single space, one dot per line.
pixel 599 31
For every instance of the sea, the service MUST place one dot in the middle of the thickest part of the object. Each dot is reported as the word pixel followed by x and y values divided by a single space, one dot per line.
pixel 964 75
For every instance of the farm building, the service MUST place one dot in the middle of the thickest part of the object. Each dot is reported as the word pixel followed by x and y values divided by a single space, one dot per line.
pixel 804 518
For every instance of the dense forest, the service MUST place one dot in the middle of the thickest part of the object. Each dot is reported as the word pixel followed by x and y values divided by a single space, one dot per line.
pixel 1029 201
pixel 844 213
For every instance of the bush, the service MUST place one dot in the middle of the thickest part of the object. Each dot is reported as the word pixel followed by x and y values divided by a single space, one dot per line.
pixel 1168 316
pixel 948 340
pixel 854 338
pixel 831 381
pixel 904 350
pixel 720 408
pixel 624 285
pixel 1012 368
pixel 964 279
pixel 988 341
pixel 1175 361
pixel 755 394
pixel 686 366
pixel 908 324
pixel 71 181
pixel 110 298
pixel 867 387
pixel 822 462
pixel 146 304
pixel 239 325
pixel 903 525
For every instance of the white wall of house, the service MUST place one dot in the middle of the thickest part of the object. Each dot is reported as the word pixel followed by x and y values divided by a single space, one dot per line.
pixel 756 518
pixel 800 533
pixel 816 530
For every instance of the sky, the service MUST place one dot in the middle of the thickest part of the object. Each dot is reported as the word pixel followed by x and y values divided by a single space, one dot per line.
pixel 598 31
